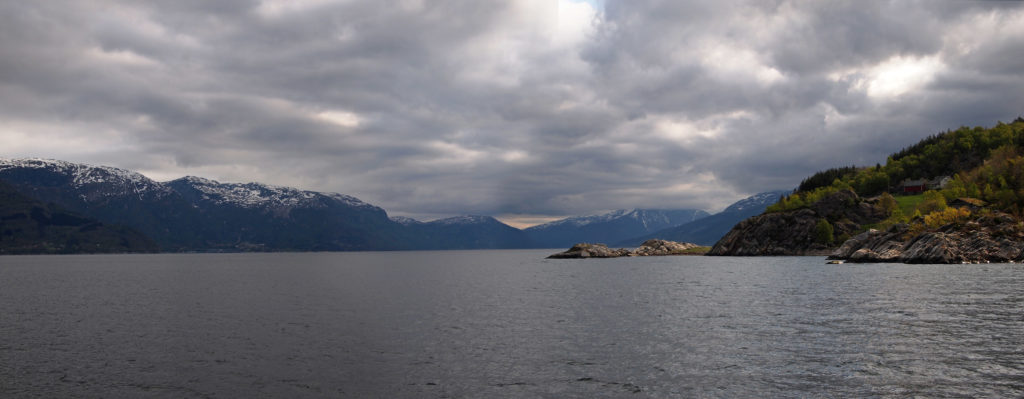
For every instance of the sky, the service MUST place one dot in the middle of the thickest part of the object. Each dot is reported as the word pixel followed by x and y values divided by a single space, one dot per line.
pixel 527 110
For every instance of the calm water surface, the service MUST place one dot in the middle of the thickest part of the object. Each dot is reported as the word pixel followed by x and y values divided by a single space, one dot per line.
pixel 504 324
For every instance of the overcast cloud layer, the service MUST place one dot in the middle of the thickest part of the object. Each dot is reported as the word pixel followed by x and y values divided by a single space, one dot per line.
pixel 521 108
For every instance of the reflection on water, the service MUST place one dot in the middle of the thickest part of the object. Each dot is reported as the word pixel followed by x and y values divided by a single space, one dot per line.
pixel 505 324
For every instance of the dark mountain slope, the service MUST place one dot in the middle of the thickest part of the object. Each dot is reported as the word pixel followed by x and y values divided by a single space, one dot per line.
pixel 468 232
pixel 28 226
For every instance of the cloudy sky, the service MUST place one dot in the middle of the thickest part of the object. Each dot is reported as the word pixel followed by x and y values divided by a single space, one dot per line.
pixel 522 109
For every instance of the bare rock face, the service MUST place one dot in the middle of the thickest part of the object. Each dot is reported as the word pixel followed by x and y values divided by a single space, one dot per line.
pixel 793 232
pixel 653 247
pixel 995 238
pixel 783 233
pixel 658 247
pixel 584 250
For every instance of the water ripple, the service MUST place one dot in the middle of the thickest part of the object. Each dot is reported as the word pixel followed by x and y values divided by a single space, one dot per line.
pixel 505 324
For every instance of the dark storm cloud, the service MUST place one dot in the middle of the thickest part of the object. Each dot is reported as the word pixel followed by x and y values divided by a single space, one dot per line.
pixel 529 107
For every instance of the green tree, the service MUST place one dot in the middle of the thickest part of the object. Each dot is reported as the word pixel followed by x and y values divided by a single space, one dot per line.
pixel 897 216
pixel 955 189
pixel 888 203
pixel 933 201
pixel 823 232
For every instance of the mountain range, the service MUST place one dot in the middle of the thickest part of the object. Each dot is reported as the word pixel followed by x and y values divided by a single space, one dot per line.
pixel 197 214
pixel 707 231
pixel 609 227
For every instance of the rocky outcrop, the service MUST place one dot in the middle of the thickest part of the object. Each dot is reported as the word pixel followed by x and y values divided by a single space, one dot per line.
pixel 793 232
pixel 584 250
pixel 783 233
pixel 656 247
pixel 648 248
pixel 995 238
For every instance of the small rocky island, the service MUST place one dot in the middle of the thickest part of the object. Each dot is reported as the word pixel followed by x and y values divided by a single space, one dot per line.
pixel 654 247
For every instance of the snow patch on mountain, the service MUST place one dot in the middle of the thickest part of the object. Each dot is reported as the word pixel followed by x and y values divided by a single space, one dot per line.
pixel 258 195
pixel 125 181
pixel 110 181
pixel 405 221
pixel 644 216
pixel 759 200
pixel 579 221
pixel 464 220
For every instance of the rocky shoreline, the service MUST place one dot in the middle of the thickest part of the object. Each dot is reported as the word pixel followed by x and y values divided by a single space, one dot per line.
pixel 995 238
pixel 652 247
pixel 992 237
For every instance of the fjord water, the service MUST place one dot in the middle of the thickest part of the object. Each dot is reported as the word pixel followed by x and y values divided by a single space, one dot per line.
pixel 505 324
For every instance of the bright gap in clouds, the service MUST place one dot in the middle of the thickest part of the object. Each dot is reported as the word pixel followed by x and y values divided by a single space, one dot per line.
pixel 575 21
pixel 276 8
pixel 341 118
pixel 899 75
pixel 597 5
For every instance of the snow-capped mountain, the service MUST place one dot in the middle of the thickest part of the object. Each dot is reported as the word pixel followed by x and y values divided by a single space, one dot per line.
pixel 93 182
pixel 258 195
pixel 708 230
pixel 758 201
pixel 105 181
pixel 609 227
pixel 465 220
pixel 645 217
pixel 405 221
pixel 193 213
pixel 198 214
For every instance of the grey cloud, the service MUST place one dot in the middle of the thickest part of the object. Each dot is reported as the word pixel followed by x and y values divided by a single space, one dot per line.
pixel 829 35
pixel 463 107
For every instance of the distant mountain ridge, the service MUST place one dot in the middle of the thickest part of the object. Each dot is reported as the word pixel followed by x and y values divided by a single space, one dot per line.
pixel 197 214
pixel 756 201
pixel 256 195
pixel 471 232
pixel 708 230
pixel 609 227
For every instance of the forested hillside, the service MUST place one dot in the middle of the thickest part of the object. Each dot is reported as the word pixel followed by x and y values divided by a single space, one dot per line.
pixel 971 207
pixel 984 164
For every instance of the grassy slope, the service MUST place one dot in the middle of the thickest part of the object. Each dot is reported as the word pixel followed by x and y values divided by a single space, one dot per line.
pixel 908 203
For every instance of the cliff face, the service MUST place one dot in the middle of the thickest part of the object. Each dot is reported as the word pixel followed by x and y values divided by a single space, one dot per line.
pixel 794 232
pixel 784 233
pixel 995 238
